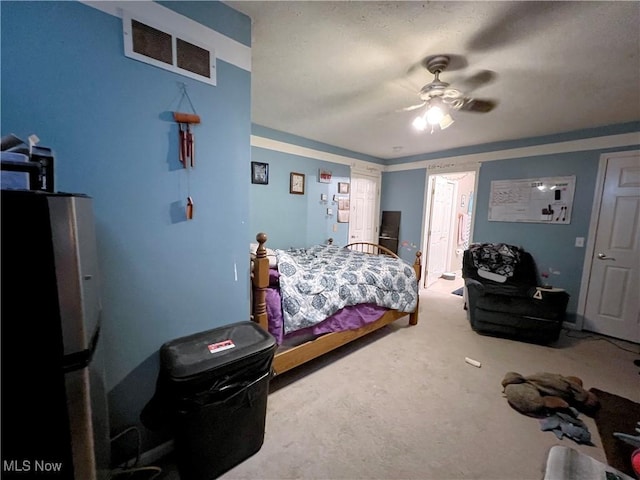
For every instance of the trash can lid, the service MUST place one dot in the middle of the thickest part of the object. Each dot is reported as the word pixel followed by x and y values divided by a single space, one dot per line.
pixel 212 349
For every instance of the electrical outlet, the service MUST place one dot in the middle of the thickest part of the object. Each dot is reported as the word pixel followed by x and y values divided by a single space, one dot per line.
pixel 335 227
pixel 579 241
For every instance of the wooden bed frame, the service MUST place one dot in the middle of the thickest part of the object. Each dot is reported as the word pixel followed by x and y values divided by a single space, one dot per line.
pixel 286 359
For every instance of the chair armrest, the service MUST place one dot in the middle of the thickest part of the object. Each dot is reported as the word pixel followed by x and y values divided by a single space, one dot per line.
pixel 474 284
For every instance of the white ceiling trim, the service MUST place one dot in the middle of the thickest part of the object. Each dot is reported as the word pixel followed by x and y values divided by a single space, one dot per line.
pixel 595 143
pixel 226 48
pixel 446 164
pixel 290 148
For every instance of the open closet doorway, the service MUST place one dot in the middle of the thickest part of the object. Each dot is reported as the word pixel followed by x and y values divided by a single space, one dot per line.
pixel 449 206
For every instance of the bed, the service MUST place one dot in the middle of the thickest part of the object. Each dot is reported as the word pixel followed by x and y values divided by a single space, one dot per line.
pixel 306 339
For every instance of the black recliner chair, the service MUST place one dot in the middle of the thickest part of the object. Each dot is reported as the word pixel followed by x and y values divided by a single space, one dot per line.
pixel 503 296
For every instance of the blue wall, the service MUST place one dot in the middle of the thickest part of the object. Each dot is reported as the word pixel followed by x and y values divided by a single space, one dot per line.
pixel 552 246
pixel 108 119
pixel 284 218
pixel 404 191
pixel 298 220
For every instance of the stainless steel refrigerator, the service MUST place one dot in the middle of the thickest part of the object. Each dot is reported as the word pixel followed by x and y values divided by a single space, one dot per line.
pixel 54 408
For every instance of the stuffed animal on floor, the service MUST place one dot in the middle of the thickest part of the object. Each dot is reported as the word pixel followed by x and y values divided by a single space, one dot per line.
pixel 542 393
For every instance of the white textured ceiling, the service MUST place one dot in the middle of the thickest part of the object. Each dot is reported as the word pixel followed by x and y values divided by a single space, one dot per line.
pixel 338 72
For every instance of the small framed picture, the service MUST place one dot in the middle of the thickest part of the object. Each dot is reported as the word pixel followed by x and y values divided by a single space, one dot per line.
pixel 324 176
pixel 296 183
pixel 343 204
pixel 343 187
pixel 260 173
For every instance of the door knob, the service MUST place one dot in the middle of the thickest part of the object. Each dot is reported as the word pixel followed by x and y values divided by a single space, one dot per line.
pixel 602 256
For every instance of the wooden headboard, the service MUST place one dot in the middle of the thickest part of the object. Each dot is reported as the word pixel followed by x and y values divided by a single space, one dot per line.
pixel 372 248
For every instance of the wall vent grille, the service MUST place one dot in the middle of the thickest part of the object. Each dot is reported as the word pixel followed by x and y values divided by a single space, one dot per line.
pixel 174 51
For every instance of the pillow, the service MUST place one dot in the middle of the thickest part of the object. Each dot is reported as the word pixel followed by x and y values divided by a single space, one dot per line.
pixel 492 276
pixel 271 254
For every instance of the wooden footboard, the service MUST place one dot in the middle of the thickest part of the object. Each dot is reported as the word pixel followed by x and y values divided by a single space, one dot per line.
pixel 292 357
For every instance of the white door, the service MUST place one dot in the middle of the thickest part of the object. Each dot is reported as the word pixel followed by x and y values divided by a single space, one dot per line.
pixel 439 228
pixel 612 303
pixel 363 221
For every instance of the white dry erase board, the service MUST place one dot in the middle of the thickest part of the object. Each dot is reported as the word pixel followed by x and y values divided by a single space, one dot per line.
pixel 534 200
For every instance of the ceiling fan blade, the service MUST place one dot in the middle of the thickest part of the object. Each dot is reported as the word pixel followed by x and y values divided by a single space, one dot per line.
pixel 412 107
pixel 477 80
pixel 478 106
pixel 524 20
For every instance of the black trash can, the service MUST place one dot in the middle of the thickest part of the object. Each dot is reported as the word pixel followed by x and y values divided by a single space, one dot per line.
pixel 215 385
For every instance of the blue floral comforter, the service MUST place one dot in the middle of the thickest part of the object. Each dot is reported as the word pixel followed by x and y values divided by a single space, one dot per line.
pixel 316 282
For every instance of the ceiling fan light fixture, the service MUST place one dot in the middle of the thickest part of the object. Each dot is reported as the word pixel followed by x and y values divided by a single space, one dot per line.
pixel 446 121
pixel 434 115
pixel 439 99
pixel 419 123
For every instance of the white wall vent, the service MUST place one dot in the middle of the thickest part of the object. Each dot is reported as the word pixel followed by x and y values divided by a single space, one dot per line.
pixel 160 46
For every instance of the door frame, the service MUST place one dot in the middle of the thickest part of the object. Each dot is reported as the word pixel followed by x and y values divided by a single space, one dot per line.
pixel 591 236
pixel 431 186
pixel 433 171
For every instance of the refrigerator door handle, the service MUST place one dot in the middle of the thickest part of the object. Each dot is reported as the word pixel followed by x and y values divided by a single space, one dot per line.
pixel 81 359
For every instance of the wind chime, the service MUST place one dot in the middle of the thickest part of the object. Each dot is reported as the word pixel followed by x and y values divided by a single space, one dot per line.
pixel 187 140
pixel 186 145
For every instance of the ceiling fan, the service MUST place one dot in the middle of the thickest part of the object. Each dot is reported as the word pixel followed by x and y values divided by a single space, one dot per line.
pixel 439 99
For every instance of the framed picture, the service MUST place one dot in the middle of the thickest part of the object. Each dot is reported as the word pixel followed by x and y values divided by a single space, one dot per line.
pixel 324 176
pixel 343 187
pixel 296 183
pixel 260 173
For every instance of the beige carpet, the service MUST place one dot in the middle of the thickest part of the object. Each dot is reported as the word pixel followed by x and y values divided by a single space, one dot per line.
pixel 403 404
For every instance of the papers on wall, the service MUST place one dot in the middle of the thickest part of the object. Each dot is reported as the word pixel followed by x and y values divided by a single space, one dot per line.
pixel 537 200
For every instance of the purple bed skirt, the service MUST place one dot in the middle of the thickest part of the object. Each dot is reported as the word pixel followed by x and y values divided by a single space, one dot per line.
pixel 348 318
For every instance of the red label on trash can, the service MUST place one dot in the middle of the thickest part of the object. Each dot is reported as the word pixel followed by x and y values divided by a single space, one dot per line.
pixel 221 346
